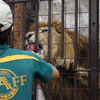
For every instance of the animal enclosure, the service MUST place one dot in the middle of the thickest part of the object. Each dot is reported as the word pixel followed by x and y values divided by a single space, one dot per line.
pixel 77 24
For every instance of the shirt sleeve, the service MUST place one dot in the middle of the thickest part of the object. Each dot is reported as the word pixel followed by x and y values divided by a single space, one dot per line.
pixel 43 71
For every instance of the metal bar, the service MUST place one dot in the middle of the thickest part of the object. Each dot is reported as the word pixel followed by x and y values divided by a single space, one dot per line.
pixel 24 23
pixel 75 47
pixel 62 48
pixel 93 48
pixel 49 41
pixel 12 36
pixel 89 43
pixel 20 1
pixel 36 41
pixel 62 30
pixel 36 23
pixel 76 31
pixel 98 48
pixel 49 29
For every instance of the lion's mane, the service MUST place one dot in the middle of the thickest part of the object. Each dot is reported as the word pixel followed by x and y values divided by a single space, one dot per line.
pixel 72 83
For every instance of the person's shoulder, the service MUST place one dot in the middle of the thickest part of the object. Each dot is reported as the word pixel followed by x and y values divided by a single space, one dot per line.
pixel 30 53
pixel 27 54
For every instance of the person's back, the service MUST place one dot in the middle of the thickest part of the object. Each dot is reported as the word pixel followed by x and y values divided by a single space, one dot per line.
pixel 17 71
pixel 19 68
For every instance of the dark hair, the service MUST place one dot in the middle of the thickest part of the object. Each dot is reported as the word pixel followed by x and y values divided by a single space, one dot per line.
pixel 4 35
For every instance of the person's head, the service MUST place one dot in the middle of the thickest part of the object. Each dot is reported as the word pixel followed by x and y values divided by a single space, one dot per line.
pixel 6 21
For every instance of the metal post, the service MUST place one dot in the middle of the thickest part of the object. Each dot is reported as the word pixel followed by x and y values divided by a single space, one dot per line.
pixel 93 48
pixel 49 41
pixel 75 46
pixel 49 28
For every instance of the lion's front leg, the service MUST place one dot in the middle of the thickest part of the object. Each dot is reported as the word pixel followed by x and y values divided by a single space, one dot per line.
pixel 42 54
pixel 82 75
pixel 68 59
pixel 67 63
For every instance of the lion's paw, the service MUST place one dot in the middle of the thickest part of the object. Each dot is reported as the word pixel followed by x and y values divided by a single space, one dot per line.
pixel 67 63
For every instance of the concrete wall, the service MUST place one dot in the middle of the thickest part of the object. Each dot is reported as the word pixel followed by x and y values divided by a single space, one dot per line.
pixel 69 13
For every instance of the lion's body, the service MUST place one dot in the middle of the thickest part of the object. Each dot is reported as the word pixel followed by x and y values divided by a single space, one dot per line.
pixel 71 83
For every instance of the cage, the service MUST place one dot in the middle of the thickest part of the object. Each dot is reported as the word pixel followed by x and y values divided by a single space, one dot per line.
pixel 79 19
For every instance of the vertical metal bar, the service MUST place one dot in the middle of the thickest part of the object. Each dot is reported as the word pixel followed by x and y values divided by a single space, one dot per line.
pixel 62 30
pixel 89 44
pixel 36 41
pixel 76 32
pixel 23 24
pixel 36 21
pixel 62 48
pixel 94 48
pixel 49 41
pixel 98 47
pixel 75 46
pixel 49 28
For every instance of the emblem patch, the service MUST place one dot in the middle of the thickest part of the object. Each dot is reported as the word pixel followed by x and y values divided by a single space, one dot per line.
pixel 9 83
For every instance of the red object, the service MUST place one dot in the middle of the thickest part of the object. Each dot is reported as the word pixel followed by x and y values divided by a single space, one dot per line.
pixel 30 47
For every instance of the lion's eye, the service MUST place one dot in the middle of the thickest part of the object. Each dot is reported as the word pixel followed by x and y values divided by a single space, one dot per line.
pixel 44 30
pixel 30 35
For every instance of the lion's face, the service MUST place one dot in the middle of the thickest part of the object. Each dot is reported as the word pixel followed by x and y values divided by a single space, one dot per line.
pixel 49 39
pixel 43 34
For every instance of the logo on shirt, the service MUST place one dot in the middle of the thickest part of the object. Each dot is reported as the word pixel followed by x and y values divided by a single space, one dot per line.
pixel 9 83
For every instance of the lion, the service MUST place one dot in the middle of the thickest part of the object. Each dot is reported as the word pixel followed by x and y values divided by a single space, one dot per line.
pixel 73 81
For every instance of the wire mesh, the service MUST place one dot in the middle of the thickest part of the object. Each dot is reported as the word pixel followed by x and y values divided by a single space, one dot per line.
pixel 79 19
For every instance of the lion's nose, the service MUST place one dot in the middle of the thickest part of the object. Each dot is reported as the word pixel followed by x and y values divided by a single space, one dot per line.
pixel 28 36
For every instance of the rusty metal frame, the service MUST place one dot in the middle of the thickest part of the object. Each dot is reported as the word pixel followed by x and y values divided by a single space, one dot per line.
pixel 93 41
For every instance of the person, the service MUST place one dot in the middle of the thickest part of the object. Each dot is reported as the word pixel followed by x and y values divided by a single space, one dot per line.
pixel 19 68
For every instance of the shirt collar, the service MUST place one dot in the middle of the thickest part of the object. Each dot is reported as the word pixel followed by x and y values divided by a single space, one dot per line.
pixel 3 46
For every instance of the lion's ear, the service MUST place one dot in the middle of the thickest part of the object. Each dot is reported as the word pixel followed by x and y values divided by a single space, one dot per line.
pixel 58 28
pixel 56 25
pixel 32 26
pixel 41 24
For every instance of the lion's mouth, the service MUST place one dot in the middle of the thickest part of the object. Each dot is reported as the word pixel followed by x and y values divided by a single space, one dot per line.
pixel 34 47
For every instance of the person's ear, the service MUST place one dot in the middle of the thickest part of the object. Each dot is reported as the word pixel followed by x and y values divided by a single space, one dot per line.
pixel 12 29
